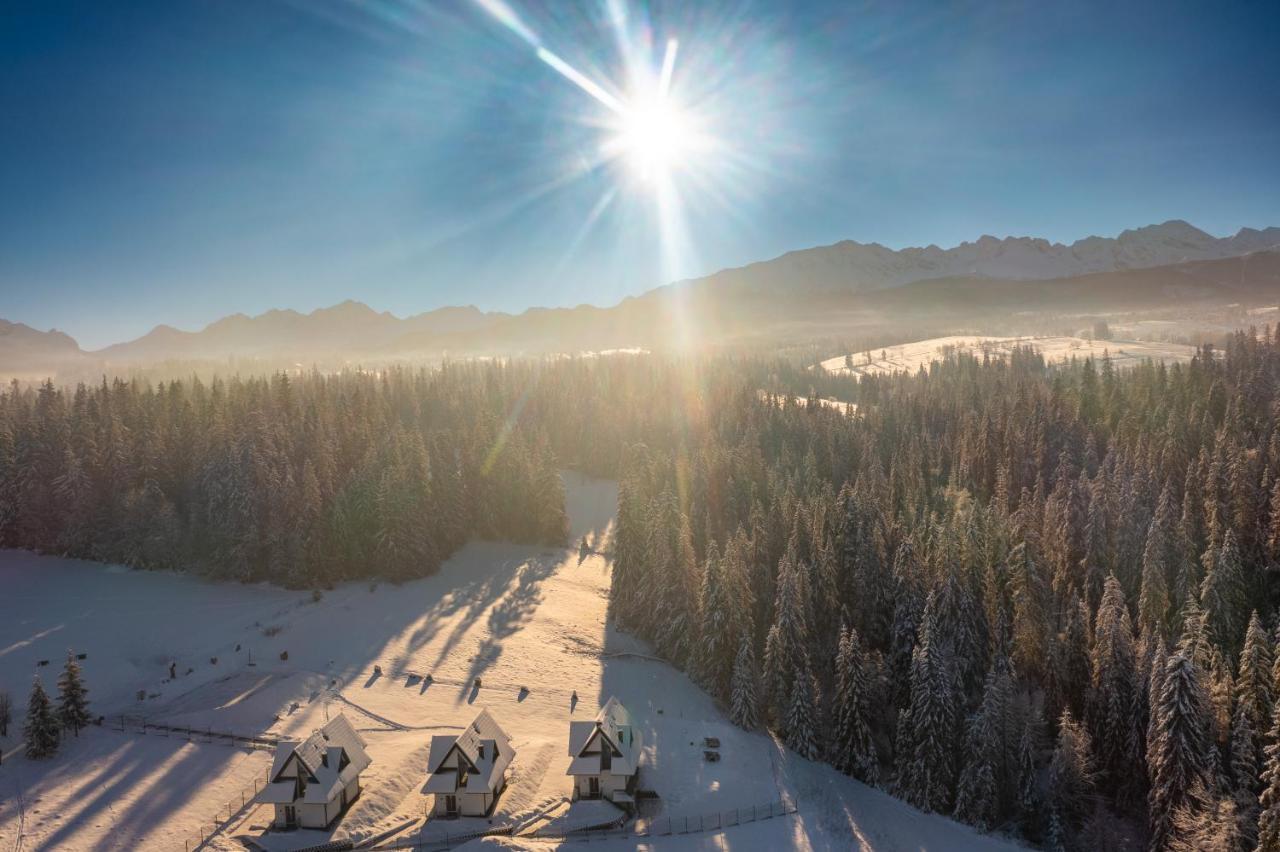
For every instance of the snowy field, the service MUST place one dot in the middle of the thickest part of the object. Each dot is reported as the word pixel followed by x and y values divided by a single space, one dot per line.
pixel 529 622
pixel 910 357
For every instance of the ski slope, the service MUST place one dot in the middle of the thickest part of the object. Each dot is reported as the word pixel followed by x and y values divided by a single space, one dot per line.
pixel 529 622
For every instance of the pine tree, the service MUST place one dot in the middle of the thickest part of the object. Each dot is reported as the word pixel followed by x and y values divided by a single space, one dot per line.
pixel 744 700
pixel 800 733
pixel 853 749
pixel 1179 750
pixel 41 731
pixel 73 697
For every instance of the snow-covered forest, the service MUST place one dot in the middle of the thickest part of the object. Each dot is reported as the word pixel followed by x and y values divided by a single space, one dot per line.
pixel 303 481
pixel 1037 597
pixel 1041 599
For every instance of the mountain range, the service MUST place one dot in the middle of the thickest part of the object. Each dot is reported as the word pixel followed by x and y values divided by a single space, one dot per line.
pixel 845 282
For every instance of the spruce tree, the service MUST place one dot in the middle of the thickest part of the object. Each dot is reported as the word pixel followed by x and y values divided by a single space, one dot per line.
pixel 73 697
pixel 1179 757
pixel 41 730
pixel 977 798
pixel 1246 784
pixel 853 749
pixel 1224 595
pixel 1255 681
pixel 930 775
pixel 1072 772
pixel 1113 697
pixel 745 701
pixel 1153 600
pixel 1269 819
pixel 800 731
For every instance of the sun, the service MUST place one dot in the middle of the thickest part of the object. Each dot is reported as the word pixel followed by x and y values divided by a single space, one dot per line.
pixel 656 138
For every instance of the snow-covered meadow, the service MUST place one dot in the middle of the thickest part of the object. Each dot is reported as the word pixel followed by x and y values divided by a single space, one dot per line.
pixel 911 357
pixel 529 622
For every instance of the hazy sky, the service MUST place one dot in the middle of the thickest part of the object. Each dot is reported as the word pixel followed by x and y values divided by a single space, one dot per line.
pixel 177 161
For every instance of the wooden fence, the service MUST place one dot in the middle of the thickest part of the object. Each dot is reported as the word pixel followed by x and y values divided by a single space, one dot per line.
pixel 204 833
pixel 140 725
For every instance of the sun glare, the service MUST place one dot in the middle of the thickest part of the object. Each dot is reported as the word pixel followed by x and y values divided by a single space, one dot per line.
pixel 656 138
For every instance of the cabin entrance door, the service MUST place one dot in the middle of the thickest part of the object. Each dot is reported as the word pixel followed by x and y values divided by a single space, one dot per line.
pixel 451 806
pixel 593 787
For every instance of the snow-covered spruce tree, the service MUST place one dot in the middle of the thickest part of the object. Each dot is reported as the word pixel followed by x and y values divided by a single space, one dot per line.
pixel 1153 599
pixel 1027 799
pixel 1113 727
pixel 1031 631
pixel 1072 773
pixel 1069 671
pixel 744 700
pixel 1245 781
pixel 930 773
pixel 41 730
pixel 1255 683
pixel 977 799
pixel 853 748
pixel 717 638
pixel 1179 756
pixel 800 730
pixel 788 639
pixel 73 697
pixel 907 610
pixel 1224 595
pixel 1269 819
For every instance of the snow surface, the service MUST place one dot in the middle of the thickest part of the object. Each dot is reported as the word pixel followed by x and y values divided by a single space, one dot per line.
pixel 529 622
pixel 910 357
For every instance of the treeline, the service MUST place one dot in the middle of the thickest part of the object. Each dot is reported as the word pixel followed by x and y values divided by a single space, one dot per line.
pixel 1042 599
pixel 300 480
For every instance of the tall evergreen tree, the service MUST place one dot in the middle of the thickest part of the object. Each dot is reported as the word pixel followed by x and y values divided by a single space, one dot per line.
pixel 41 730
pixel 800 731
pixel 930 773
pixel 744 706
pixel 73 697
pixel 853 748
pixel 1072 772
pixel 1179 755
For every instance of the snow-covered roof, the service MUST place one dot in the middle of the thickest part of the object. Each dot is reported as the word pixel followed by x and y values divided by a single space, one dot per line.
pixel 484 751
pixel 614 727
pixel 330 758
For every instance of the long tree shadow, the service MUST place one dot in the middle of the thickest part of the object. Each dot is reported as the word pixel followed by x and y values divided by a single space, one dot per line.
pixel 511 612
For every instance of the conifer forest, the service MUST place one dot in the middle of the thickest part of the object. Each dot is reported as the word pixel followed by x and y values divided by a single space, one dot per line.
pixel 1040 598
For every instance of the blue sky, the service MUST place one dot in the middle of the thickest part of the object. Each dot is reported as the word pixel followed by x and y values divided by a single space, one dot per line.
pixel 179 161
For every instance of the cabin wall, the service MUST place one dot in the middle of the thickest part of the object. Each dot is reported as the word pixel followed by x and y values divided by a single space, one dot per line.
pixel 314 815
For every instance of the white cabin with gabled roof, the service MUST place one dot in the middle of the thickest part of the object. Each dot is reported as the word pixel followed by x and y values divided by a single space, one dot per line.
pixel 469 771
pixel 313 781
pixel 606 755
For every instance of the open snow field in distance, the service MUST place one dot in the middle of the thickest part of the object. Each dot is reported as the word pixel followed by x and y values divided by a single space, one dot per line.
pixel 910 357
